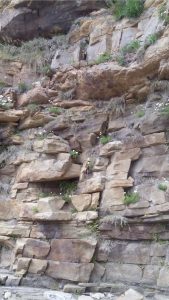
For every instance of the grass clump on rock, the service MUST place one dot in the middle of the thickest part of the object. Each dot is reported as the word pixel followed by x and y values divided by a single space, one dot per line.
pixel 162 187
pixel 54 110
pixel 126 8
pixel 165 110
pixel 131 198
pixel 163 13
pixel 66 190
pixel 140 114
pixel 104 139
pixel 104 57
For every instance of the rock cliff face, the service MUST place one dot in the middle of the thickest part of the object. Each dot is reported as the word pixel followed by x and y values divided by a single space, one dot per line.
pixel 22 20
pixel 84 165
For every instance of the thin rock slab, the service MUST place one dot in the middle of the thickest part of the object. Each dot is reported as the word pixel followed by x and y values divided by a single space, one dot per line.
pixel 70 271
pixel 53 216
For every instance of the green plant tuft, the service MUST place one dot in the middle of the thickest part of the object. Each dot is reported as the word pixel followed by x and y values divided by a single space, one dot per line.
pixel 35 210
pixel 151 39
pixel 131 47
pixel 104 139
pixel 45 70
pixel 105 57
pixel 55 110
pixel 127 8
pixel 94 227
pixel 120 58
pixel 163 13
pixel 32 107
pixel 44 194
pixel 162 187
pixel 140 114
pixel 134 8
pixel 165 110
pixel 131 198
pixel 66 190
pixel 22 87
pixel 74 154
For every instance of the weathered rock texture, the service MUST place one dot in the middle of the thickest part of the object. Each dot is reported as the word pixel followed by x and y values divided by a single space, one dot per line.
pixel 65 174
pixel 28 19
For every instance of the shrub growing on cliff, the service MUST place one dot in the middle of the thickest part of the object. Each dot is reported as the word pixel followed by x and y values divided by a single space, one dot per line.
pixel 120 59
pixel 162 187
pixel 151 39
pixel 104 139
pixel 125 52
pixel 55 110
pixel 32 107
pixel 140 114
pixel 105 57
pixel 66 190
pixel 133 8
pixel 74 154
pixel 126 8
pixel 163 13
pixel 131 198
pixel 131 47
pixel 22 87
pixel 165 110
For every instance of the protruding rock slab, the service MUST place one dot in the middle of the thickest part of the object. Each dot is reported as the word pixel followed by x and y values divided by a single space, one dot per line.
pixel 50 204
pixel 37 95
pixel 34 121
pixel 72 250
pixel 37 266
pixel 10 115
pixel 95 184
pixel 108 149
pixel 52 145
pixel 81 202
pixel 53 216
pixel 86 216
pixel 112 196
pixel 49 170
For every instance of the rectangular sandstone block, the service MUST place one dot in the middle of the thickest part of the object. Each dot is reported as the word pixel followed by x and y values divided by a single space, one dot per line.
pixel 70 271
